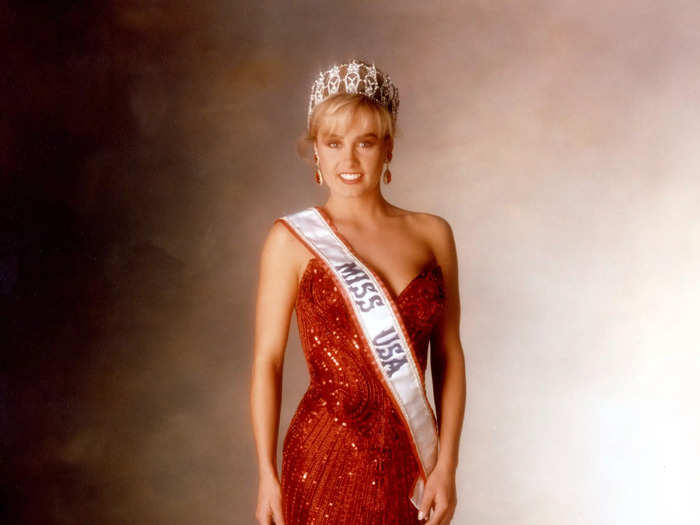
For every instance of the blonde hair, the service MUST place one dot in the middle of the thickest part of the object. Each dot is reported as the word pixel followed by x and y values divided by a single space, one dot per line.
pixel 338 111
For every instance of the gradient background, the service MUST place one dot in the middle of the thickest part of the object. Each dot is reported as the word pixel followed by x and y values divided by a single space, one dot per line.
pixel 148 146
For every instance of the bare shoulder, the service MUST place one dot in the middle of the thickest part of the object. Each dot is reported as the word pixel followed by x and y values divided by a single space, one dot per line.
pixel 279 239
pixel 434 228
pixel 439 236
pixel 281 248
pixel 434 224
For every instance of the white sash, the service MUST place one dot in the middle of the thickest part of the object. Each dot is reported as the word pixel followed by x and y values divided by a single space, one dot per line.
pixel 390 346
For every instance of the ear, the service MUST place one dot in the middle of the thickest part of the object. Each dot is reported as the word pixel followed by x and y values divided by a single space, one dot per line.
pixel 389 148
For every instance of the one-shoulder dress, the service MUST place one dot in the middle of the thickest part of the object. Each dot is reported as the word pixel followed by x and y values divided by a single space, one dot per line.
pixel 347 456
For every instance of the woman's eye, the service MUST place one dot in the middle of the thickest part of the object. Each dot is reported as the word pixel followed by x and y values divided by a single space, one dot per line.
pixel 332 144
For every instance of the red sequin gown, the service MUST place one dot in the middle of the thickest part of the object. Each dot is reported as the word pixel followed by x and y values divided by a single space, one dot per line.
pixel 346 456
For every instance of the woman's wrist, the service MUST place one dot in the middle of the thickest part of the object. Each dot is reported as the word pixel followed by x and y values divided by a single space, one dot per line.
pixel 268 473
pixel 446 463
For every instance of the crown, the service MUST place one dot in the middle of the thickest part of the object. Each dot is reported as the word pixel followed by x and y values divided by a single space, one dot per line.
pixel 357 77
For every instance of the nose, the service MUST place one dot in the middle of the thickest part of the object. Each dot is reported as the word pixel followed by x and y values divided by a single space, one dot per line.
pixel 351 156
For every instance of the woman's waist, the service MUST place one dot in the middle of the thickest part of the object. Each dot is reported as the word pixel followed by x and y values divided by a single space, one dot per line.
pixel 347 403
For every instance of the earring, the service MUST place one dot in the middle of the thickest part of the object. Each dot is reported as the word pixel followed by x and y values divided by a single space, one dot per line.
pixel 317 172
pixel 387 174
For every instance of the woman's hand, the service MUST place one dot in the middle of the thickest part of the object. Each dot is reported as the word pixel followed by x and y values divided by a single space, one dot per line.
pixel 269 509
pixel 440 491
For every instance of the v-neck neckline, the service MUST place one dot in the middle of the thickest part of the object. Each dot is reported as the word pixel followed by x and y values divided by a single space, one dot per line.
pixel 394 296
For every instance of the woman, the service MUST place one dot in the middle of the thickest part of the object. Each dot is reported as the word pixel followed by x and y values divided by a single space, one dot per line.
pixel 372 285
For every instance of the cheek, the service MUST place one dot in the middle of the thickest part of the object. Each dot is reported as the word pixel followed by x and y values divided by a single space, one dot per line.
pixel 375 157
pixel 326 155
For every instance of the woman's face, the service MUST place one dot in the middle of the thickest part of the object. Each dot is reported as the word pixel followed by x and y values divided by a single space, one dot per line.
pixel 352 159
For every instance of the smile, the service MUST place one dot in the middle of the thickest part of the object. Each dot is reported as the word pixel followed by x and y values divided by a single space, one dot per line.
pixel 350 177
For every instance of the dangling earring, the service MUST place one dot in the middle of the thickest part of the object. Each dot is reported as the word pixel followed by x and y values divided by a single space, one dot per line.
pixel 387 174
pixel 317 172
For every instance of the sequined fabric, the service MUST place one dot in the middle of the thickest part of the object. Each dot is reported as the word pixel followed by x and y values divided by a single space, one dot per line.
pixel 346 457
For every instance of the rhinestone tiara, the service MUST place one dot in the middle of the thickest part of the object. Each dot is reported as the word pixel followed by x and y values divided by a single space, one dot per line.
pixel 356 77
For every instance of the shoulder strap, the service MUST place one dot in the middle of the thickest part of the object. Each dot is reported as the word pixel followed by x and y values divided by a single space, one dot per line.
pixel 389 344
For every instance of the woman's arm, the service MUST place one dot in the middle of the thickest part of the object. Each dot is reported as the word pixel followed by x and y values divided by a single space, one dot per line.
pixel 277 289
pixel 449 385
pixel 446 353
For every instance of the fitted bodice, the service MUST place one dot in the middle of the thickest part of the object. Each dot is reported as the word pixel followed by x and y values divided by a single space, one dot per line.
pixel 326 326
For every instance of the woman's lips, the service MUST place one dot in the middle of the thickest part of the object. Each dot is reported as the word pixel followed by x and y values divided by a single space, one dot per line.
pixel 352 177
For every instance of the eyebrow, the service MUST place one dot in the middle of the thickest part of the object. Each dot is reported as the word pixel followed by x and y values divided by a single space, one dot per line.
pixel 334 136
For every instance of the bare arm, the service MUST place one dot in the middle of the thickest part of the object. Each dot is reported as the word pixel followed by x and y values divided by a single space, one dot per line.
pixel 277 289
pixel 447 356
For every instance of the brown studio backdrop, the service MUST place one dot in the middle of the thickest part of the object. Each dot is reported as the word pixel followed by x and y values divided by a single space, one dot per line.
pixel 148 149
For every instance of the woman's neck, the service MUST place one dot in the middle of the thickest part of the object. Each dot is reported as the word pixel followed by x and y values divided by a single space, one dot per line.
pixel 359 210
